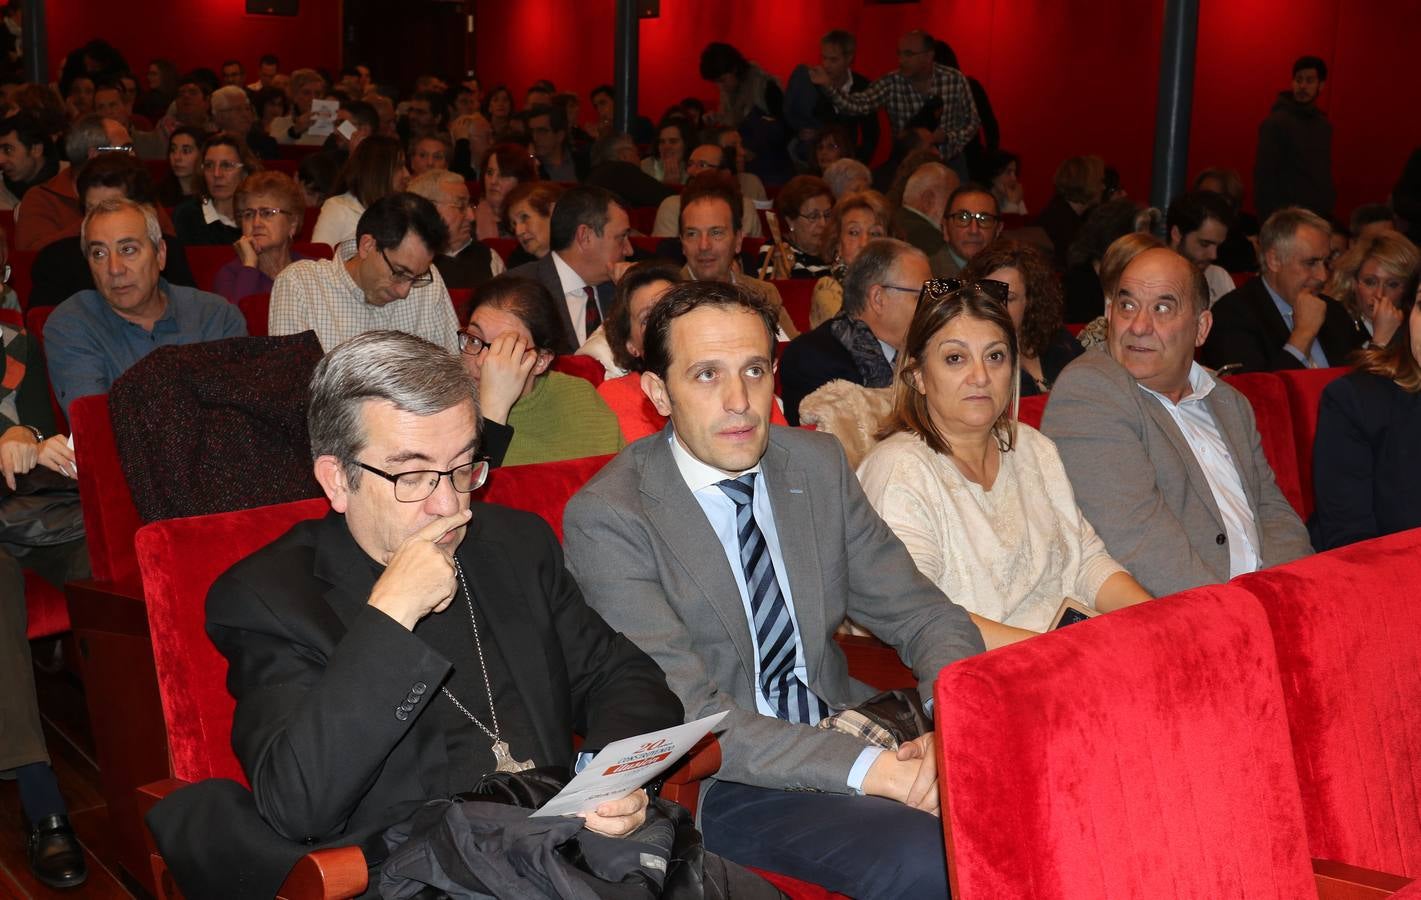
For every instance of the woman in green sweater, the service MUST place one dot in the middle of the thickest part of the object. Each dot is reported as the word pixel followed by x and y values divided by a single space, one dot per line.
pixel 553 416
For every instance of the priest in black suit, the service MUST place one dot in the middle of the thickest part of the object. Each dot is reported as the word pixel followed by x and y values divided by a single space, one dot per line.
pixel 402 647
pixel 861 343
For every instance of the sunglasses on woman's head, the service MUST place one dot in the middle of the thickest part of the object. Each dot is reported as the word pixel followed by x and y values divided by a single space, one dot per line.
pixel 939 288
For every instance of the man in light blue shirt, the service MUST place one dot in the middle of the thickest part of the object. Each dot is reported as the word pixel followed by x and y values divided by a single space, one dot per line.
pixel 95 336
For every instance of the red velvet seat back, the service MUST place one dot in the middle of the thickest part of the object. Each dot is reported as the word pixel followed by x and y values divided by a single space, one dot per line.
pixel 110 518
pixel 798 295
pixel 205 263
pixel 1032 409
pixel 585 367
pixel 21 262
pixel 1304 387
pixel 1346 625
pixel 542 488
pixel 256 309
pixel 504 247
pixel 643 218
pixel 34 324
pixel 180 558
pixel 1269 399
pixel 1144 753
pixel 645 243
pixel 312 250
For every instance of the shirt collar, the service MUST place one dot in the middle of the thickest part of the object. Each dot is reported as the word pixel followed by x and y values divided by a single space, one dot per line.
pixel 462 248
pixel 1201 385
pixel 344 252
pixel 210 214
pixel 697 475
pixel 690 274
pixel 571 281
pixel 1283 308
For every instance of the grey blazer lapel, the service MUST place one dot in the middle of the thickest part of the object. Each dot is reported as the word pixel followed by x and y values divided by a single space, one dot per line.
pixel 1195 473
pixel 682 525
pixel 1237 439
pixel 794 521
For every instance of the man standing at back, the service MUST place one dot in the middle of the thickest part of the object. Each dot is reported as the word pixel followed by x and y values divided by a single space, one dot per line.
pixel 1293 166
pixel 730 551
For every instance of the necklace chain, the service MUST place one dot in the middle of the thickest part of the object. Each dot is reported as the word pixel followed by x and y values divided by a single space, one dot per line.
pixel 478 646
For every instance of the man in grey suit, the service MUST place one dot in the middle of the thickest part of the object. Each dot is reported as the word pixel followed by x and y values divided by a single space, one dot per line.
pixel 1165 459
pixel 730 552
pixel 588 234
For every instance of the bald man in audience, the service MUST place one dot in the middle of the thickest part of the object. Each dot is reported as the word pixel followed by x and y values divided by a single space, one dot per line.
pixel 1165 459
pixel 973 220
pixel 919 219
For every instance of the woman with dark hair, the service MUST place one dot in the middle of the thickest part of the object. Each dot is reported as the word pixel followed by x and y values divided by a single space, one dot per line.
pixel 498 109
pixel 376 169
pixel 162 89
pixel 1034 303
pixel 528 213
pixel 673 147
pixel 1000 170
pixel 834 142
pixel 506 347
pixel 184 166
pixel 745 88
pixel 210 217
pixel 270 104
pixel 804 206
pixel 505 167
pixel 1369 439
pixel 982 501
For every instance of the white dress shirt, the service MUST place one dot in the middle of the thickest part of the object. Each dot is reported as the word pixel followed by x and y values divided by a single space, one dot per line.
pixel 574 295
pixel 1201 432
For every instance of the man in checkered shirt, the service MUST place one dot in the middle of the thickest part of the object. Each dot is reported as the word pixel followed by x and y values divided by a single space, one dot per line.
pixel 918 82
pixel 382 280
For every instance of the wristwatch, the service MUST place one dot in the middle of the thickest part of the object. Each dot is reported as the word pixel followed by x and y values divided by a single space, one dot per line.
pixel 39 435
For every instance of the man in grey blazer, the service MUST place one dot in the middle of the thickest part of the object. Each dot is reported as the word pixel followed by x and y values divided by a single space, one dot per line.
pixel 692 534
pixel 1165 459
pixel 588 234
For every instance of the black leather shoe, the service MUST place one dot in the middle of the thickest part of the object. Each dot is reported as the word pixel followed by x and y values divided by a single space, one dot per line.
pixel 54 853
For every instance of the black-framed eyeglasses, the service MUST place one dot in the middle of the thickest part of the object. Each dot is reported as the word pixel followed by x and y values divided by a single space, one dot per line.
pixel 942 288
pixel 413 487
pixel 471 344
pixel 965 218
pixel 405 276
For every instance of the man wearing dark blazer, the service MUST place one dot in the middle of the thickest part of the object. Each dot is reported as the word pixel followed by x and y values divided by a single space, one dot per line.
pixel 861 343
pixel 588 233
pixel 731 551
pixel 402 647
pixel 1165 460
pixel 1280 320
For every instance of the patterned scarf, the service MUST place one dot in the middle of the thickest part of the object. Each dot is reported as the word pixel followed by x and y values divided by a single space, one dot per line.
pixel 857 338
pixel 12 372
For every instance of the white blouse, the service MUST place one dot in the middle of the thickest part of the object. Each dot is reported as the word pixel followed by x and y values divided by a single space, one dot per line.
pixel 1009 554
pixel 339 217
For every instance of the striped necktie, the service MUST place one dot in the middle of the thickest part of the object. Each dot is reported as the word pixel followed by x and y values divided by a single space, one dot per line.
pixel 791 698
pixel 593 315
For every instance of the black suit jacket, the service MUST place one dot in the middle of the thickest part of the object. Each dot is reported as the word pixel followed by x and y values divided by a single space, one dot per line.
pixel 1248 330
pixel 332 723
pixel 812 360
pixel 545 272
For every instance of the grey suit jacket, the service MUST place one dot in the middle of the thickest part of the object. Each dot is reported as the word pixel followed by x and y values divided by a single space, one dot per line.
pixel 1138 482
pixel 647 560
pixel 545 272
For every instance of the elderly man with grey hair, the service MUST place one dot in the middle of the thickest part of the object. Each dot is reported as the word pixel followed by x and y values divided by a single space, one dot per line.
pixel 95 336
pixel 862 342
pixel 1281 320
pixel 233 113
pixel 847 176
pixel 464 262
pixel 53 210
pixel 920 218
pixel 1165 459
pixel 355 649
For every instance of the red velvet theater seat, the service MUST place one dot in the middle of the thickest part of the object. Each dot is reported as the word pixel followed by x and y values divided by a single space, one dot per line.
pixel 798 296
pixel 256 310
pixel 1347 628
pixel 1304 387
pixel 1269 398
pixel 542 488
pixel 1141 754
pixel 584 367
pixel 205 263
pixel 1032 409
pixel 110 518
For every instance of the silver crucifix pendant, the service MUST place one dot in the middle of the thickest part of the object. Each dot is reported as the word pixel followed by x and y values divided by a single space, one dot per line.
pixel 505 760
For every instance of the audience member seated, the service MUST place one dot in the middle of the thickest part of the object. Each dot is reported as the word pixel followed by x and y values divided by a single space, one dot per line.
pixel 641 540
pixel 673 146
pixel 232 112
pixel 981 500
pixel 325 767
pixel 1000 170
pixel 60 270
pixel 498 109
pixel 803 207
pixel 42 529
pixel 384 280
pixel 209 218
pixel 919 217
pixel 706 159
pixel 621 335
pixel 970 225
pixel 464 262
pixel 1372 219
pixel 94 336
pixel 588 236
pixel 192 105
pixel 506 348
pixel 1279 320
pixel 375 169
pixel 184 175
pixel 557 160
pixel 54 210
pixel 506 167
pixel 1198 223
pixel 1165 460
pixel 1239 251
pixel 1368 438
pixel 1080 185
pixel 856 220
pixel 1045 347
pixel 270 206
pixel 862 342
pixel 295 128
pixel 427 152
pixel 616 167
pixel 27 157
pixel 1369 280
pixel 711 238
pixel 1103 226
pixel 847 176
pixel 529 214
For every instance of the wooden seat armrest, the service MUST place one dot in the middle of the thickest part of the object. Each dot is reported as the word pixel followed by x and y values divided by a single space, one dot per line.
pixel 1340 881
pixel 332 874
pixel 702 762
